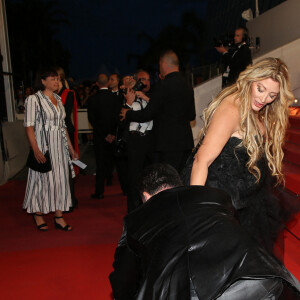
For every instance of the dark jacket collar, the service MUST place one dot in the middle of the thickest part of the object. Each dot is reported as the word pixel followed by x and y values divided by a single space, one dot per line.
pixel 173 74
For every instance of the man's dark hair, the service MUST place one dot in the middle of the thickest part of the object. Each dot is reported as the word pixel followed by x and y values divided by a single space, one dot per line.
pixel 158 176
pixel 118 76
pixel 245 33
pixel 139 71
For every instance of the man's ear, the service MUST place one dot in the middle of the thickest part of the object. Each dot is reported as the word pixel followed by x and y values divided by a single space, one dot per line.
pixel 146 197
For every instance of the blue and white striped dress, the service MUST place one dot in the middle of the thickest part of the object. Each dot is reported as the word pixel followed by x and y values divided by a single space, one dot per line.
pixel 48 192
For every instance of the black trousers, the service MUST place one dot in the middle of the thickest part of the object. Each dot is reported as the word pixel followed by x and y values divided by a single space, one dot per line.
pixel 176 159
pixel 140 149
pixel 122 170
pixel 104 162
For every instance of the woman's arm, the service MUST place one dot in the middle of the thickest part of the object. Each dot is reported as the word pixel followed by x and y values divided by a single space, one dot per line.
pixel 73 153
pixel 33 144
pixel 69 104
pixel 224 123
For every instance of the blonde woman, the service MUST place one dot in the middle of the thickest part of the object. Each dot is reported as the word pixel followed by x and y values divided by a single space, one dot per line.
pixel 243 135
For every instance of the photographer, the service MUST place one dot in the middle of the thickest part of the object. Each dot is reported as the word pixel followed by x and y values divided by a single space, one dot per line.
pixel 139 144
pixel 235 62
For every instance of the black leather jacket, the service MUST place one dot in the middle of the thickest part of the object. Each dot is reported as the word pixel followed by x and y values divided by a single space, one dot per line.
pixel 183 233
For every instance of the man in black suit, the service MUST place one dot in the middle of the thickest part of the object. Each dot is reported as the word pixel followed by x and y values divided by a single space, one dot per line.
pixel 237 61
pixel 171 108
pixel 185 243
pixel 103 112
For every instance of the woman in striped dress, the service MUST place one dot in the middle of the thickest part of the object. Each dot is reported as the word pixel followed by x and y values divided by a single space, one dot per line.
pixel 48 192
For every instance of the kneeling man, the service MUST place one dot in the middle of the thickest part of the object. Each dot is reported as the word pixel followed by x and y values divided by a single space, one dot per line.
pixel 184 243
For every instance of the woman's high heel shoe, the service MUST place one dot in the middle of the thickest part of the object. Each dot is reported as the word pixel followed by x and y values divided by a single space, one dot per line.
pixel 58 226
pixel 42 226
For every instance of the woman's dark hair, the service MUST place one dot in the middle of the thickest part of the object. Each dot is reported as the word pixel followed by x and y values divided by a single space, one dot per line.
pixel 158 176
pixel 48 73
pixel 43 74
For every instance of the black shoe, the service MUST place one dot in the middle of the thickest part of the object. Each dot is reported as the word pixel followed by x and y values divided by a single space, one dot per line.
pixel 97 196
pixel 58 226
pixel 41 226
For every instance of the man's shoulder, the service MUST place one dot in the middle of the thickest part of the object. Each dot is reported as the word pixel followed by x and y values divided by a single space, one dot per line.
pixel 101 94
pixel 244 48
pixel 194 193
pixel 175 82
pixel 105 92
pixel 198 192
pixel 173 76
pixel 170 204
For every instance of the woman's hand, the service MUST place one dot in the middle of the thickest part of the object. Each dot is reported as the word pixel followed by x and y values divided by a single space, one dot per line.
pixel 39 156
pixel 74 154
pixel 32 141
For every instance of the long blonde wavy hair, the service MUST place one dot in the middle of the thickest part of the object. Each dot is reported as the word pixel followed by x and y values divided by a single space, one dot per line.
pixel 274 116
pixel 60 71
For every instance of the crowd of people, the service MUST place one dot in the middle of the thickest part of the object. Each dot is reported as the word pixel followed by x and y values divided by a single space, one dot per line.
pixel 169 248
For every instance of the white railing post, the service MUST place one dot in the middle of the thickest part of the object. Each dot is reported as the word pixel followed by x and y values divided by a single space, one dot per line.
pixel 5 52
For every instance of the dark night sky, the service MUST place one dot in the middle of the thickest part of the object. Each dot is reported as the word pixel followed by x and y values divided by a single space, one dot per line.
pixel 104 32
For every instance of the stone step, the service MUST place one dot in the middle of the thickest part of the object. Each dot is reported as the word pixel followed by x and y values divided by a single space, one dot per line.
pixel 292 153
pixel 292 177
pixel 294 122
pixel 293 136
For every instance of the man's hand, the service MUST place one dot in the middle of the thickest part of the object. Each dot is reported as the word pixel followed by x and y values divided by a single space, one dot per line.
pixel 110 138
pixel 221 49
pixel 130 96
pixel 141 95
pixel 123 113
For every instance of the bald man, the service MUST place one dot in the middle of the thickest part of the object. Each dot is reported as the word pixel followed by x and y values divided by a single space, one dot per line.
pixel 103 110
pixel 171 108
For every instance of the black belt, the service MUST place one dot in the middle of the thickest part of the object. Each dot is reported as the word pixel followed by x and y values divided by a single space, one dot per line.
pixel 139 132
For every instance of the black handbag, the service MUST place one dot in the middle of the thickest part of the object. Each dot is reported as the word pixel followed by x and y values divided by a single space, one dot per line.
pixel 32 163
pixel 185 173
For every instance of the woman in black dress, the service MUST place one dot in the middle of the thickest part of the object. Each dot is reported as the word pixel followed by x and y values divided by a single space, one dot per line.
pixel 243 135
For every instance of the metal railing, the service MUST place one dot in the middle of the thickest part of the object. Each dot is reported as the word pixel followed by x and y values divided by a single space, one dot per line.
pixel 204 73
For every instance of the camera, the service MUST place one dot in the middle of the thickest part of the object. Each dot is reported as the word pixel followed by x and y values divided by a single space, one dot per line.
pixel 139 86
pixel 225 40
pixel 123 91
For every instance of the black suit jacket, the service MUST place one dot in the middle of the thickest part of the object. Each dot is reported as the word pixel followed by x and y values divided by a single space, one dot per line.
pixel 183 233
pixel 103 111
pixel 171 107
pixel 237 62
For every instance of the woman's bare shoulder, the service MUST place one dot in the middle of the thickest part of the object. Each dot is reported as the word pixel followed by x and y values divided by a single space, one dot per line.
pixel 230 106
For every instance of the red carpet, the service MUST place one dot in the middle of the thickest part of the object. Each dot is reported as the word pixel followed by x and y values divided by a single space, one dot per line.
pixel 57 264
pixel 71 265
pixel 292 248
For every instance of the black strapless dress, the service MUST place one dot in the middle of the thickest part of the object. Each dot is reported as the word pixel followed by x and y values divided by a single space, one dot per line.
pixel 261 209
